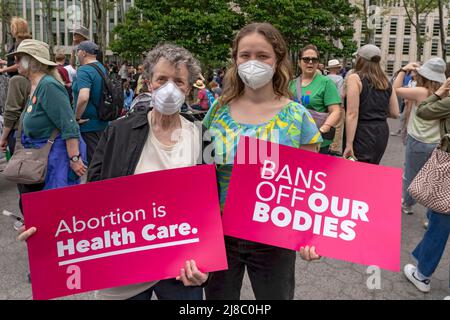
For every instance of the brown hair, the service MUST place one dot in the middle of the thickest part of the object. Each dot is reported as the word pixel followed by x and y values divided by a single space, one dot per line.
pixel 60 57
pixel 309 47
pixel 430 85
pixel 371 70
pixel 233 85
pixel 19 28
pixel 447 70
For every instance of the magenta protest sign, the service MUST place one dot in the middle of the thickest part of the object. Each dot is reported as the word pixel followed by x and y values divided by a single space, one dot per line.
pixel 123 231
pixel 292 198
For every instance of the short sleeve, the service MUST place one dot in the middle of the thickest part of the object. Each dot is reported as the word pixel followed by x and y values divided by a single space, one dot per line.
pixel 56 105
pixel 84 79
pixel 305 126
pixel 331 94
pixel 201 94
pixel 210 114
pixel 310 133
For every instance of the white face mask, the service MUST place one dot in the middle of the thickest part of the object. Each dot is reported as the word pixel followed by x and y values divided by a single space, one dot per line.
pixel 255 74
pixel 168 98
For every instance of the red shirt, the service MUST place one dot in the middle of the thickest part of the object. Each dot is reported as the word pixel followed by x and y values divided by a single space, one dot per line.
pixel 202 96
pixel 63 73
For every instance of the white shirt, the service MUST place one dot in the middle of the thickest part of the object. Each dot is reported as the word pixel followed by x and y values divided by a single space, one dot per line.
pixel 71 71
pixel 155 157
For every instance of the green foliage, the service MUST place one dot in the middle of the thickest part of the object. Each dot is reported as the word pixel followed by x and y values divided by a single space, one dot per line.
pixel 207 27
pixel 304 21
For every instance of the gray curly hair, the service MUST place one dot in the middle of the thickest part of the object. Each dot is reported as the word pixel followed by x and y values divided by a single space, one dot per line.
pixel 175 55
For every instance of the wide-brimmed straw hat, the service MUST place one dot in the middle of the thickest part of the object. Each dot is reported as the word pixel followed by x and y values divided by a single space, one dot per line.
pixel 199 84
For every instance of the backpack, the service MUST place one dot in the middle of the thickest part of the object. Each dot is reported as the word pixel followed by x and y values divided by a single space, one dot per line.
pixel 111 102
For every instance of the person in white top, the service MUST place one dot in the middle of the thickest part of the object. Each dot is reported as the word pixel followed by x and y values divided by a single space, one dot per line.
pixel 123 71
pixel 71 71
pixel 422 135
pixel 158 139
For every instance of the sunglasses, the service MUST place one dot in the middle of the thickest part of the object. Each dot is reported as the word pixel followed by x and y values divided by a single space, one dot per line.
pixel 310 60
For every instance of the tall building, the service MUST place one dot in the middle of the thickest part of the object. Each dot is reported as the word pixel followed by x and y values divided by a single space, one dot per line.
pixel 396 37
pixel 66 14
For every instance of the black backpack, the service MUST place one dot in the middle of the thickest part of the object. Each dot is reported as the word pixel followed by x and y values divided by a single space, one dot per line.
pixel 111 103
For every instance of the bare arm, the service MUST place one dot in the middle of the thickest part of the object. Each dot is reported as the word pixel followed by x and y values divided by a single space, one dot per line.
pixel 83 99
pixel 310 147
pixel 12 68
pixel 4 138
pixel 407 111
pixel 351 119
pixel 394 111
pixel 72 60
pixel 333 118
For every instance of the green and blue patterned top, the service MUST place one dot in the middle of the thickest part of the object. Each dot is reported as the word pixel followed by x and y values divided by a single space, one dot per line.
pixel 292 126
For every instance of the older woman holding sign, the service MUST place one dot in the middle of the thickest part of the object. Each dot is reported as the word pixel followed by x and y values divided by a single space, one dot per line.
pixel 153 140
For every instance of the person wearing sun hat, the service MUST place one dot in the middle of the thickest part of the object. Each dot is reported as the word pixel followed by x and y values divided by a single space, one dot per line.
pixel 201 102
pixel 80 34
pixel 370 101
pixel 422 135
pixel 431 248
pixel 48 108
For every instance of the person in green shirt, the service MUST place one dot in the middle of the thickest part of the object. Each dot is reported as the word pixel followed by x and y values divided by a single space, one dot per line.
pixel 48 108
pixel 318 94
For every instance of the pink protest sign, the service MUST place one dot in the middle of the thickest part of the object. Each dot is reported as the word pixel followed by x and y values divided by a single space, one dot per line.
pixel 123 231
pixel 292 198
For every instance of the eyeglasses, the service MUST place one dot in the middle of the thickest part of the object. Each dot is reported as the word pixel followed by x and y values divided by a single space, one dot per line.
pixel 310 60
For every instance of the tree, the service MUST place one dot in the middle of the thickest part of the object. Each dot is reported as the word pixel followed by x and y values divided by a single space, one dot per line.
pixel 442 30
pixel 371 15
pixel 47 15
pixel 101 7
pixel 204 27
pixel 328 24
pixel 416 10
pixel 207 27
pixel 86 6
pixel 8 9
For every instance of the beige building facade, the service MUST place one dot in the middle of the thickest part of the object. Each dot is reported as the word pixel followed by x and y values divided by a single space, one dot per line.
pixel 396 37
pixel 66 15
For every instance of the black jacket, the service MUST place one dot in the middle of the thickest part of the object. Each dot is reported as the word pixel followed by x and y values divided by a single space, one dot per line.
pixel 120 147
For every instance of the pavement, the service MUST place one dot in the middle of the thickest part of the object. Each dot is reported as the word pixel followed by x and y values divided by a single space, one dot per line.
pixel 327 279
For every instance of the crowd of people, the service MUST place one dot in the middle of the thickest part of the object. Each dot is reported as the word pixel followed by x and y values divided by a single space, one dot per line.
pixel 324 109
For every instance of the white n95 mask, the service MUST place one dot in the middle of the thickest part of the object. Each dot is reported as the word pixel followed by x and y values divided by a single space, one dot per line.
pixel 168 98
pixel 255 74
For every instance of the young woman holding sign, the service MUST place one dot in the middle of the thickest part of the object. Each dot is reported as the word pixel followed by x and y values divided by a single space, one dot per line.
pixel 255 103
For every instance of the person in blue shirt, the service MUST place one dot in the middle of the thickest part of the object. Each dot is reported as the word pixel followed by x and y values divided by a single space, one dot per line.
pixel 88 90
pixel 128 95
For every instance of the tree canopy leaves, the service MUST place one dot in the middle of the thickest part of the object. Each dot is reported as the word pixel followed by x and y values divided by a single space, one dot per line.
pixel 207 27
